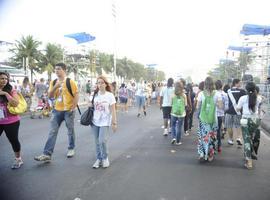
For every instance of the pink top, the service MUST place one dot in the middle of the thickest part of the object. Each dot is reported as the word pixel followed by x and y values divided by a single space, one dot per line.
pixel 9 118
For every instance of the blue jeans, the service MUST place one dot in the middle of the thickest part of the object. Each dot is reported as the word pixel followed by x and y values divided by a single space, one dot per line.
pixel 56 120
pixel 101 137
pixel 176 124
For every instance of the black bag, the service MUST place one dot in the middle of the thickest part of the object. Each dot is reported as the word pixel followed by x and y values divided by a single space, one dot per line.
pixel 87 117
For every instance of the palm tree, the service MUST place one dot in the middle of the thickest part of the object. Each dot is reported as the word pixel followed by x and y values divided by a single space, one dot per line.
pixel 26 49
pixel 53 55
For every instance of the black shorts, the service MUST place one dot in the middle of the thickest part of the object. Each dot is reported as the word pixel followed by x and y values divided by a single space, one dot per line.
pixel 167 112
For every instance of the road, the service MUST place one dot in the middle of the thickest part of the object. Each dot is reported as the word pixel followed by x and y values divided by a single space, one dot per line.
pixel 144 166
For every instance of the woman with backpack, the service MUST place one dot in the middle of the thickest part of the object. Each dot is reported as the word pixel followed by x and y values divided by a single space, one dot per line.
pixel 178 113
pixel 250 122
pixel 207 133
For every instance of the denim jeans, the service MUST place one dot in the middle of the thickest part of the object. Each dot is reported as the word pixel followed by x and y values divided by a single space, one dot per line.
pixel 56 120
pixel 176 124
pixel 101 137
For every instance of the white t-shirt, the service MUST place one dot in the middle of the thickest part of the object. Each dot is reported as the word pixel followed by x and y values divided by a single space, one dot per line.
pixel 243 103
pixel 102 112
pixel 167 94
pixel 141 88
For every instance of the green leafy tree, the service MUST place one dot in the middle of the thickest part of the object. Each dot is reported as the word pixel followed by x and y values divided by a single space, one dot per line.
pixel 26 49
pixel 53 55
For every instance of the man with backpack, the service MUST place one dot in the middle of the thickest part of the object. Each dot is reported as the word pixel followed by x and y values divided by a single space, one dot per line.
pixel 233 117
pixel 65 93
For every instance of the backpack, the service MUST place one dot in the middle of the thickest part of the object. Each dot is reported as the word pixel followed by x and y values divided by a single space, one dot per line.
pixel 178 106
pixel 69 90
pixel 208 109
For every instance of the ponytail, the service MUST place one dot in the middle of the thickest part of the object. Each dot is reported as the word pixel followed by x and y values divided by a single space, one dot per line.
pixel 252 95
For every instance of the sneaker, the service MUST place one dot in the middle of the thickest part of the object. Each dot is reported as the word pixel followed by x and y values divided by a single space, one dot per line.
pixel 186 133
pixel 144 112
pixel 97 164
pixel 178 143
pixel 105 163
pixel 230 142
pixel 239 142
pixel 70 153
pixel 173 141
pixel 138 115
pixel 43 157
pixel 165 133
pixel 17 163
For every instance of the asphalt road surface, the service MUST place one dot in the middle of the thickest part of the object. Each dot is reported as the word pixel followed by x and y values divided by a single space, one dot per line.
pixel 144 166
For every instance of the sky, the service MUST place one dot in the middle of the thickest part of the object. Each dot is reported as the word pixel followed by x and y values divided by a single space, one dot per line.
pixel 186 38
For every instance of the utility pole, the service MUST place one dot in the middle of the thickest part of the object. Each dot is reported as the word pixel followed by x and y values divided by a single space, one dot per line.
pixel 114 37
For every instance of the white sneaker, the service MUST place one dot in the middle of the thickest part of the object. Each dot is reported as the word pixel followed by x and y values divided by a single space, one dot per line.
pixel 96 165
pixel 165 133
pixel 17 163
pixel 178 143
pixel 70 153
pixel 186 133
pixel 173 141
pixel 105 163
pixel 230 142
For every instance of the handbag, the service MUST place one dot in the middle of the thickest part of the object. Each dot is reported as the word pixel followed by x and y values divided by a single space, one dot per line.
pixel 87 116
pixel 20 108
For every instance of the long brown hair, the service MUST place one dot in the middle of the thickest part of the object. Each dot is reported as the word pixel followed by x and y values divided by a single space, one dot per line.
pixel 179 88
pixel 108 85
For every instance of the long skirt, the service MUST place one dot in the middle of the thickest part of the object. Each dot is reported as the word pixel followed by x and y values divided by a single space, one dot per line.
pixel 207 140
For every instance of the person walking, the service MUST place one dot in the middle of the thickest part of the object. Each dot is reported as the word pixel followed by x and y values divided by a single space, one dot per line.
pixel 192 99
pixel 10 123
pixel 123 97
pixel 207 132
pixel 166 95
pixel 88 88
pixel 250 122
pixel 26 89
pixel 188 107
pixel 104 118
pixel 221 111
pixel 64 110
pixel 178 113
pixel 232 117
pixel 141 97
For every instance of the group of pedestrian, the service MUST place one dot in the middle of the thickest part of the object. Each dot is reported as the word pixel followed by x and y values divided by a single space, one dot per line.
pixel 239 109
pixel 64 110
pixel 218 107
pixel 177 105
